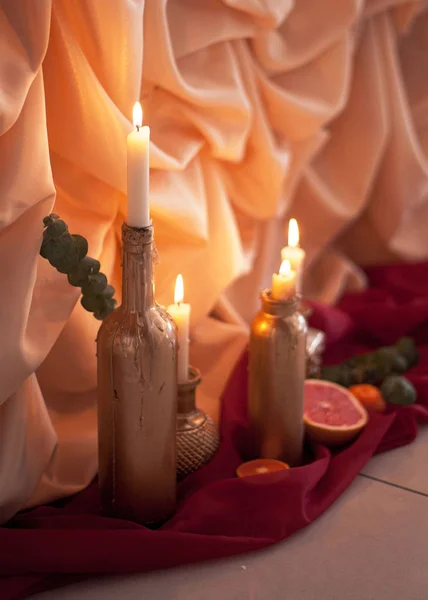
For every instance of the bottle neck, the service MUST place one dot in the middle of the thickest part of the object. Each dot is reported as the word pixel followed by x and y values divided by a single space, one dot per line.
pixel 278 308
pixel 186 393
pixel 137 274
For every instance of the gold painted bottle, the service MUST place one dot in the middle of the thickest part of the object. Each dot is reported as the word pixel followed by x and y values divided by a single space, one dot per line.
pixel 137 394
pixel 277 370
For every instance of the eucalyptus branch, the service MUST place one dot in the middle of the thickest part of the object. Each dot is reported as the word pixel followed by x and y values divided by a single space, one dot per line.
pixel 68 254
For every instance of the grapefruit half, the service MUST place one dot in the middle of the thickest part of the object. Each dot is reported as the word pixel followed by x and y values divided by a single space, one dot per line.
pixel 333 416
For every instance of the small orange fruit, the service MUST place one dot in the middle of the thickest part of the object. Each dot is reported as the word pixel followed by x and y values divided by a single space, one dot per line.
pixel 332 415
pixel 369 396
pixel 260 467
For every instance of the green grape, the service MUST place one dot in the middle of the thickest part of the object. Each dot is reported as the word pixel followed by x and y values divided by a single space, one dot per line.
pixel 97 284
pixel 82 245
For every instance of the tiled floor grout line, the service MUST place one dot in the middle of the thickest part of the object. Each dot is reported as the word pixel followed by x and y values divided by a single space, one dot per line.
pixel 396 485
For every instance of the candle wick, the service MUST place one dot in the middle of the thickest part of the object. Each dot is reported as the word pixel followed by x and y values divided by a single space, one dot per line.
pixel 138 127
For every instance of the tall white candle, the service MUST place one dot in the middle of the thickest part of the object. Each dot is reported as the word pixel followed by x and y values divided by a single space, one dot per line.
pixel 181 314
pixel 284 283
pixel 138 144
pixel 293 253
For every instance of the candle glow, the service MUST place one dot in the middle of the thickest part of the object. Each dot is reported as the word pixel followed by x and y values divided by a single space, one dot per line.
pixel 284 283
pixel 285 268
pixel 293 252
pixel 179 289
pixel 137 115
pixel 293 233
pixel 180 312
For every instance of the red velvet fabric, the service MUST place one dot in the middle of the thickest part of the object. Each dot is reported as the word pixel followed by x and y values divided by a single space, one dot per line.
pixel 219 515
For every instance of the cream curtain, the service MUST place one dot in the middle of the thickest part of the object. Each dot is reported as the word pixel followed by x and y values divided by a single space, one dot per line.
pixel 259 110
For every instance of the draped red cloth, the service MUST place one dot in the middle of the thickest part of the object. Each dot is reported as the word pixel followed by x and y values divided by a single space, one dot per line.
pixel 219 515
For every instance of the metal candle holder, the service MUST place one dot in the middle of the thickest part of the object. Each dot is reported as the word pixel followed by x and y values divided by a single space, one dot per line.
pixel 277 371
pixel 137 394
pixel 315 343
pixel 197 434
pixel 315 347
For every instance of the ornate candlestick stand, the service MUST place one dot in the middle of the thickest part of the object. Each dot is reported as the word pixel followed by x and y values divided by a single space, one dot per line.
pixel 277 371
pixel 197 434
pixel 137 394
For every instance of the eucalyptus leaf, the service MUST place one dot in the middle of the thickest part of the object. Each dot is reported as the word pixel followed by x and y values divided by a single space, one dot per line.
pixel 108 292
pixel 97 284
pixel 56 229
pixel 82 244
pixel 91 302
pixel 50 219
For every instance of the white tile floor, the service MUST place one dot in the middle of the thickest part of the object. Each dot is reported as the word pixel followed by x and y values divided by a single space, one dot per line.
pixel 405 467
pixel 371 545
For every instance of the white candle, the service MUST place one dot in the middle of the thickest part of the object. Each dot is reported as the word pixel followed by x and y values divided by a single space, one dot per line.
pixel 181 314
pixel 284 283
pixel 293 253
pixel 138 143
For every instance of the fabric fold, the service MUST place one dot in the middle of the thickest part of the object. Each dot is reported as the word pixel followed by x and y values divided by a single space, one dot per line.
pixel 260 110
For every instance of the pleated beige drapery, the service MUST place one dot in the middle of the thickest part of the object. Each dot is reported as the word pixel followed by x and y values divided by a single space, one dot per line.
pixel 259 110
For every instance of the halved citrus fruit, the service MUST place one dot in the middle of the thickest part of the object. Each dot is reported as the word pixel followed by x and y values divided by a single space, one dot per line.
pixel 261 466
pixel 333 416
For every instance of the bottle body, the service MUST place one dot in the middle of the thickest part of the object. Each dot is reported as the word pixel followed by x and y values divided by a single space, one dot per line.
pixel 137 397
pixel 277 371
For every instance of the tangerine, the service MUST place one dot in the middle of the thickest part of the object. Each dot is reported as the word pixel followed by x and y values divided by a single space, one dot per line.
pixel 370 397
pixel 261 466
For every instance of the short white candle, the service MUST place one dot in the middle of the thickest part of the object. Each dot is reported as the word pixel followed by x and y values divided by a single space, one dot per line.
pixel 138 145
pixel 284 283
pixel 181 314
pixel 294 254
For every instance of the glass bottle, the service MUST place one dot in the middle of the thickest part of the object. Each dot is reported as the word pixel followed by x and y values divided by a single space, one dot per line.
pixel 277 371
pixel 137 394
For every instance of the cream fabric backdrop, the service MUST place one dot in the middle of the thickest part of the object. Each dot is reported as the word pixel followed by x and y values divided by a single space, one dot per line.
pixel 259 109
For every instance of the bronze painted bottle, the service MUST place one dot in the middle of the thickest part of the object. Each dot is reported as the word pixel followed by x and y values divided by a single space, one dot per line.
pixel 137 394
pixel 277 370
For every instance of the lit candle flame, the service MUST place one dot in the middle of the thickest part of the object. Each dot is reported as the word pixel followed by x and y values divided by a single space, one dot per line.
pixel 137 115
pixel 293 233
pixel 179 289
pixel 285 268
